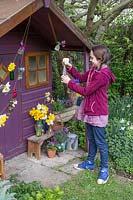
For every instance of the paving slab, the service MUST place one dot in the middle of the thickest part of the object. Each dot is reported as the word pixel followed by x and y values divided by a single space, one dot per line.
pixel 48 171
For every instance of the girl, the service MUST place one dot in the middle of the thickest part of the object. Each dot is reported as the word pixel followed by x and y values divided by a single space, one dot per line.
pixel 94 107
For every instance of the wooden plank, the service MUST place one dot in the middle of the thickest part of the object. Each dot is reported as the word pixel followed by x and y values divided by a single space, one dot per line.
pixel 40 139
pixel 19 16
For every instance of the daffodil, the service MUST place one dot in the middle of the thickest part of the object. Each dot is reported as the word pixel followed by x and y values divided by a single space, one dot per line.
pixel 11 67
pixel 3 119
pixel 47 94
pixel 39 113
pixel 50 119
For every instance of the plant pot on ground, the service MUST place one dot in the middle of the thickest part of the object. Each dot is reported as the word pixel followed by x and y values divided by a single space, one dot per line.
pixel 59 150
pixel 60 139
pixel 51 150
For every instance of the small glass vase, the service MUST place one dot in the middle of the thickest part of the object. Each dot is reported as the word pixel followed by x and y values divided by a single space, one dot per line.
pixel 38 128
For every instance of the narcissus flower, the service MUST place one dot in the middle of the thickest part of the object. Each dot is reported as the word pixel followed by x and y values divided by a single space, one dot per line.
pixel 11 67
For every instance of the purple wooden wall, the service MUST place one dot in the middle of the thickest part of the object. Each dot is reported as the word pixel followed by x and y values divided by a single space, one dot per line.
pixel 20 125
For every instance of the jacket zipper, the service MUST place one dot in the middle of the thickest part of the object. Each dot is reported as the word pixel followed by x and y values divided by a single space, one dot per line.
pixel 92 106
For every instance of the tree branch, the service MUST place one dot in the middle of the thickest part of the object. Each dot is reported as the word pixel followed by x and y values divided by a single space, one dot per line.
pixel 90 16
pixel 112 14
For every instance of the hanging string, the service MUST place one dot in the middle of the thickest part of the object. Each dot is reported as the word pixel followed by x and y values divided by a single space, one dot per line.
pixel 25 37
pixel 55 38
pixel 23 44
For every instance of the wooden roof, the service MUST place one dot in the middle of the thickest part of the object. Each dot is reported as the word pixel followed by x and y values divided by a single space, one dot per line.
pixel 47 19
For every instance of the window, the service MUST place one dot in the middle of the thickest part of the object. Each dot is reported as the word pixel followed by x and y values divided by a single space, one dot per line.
pixel 37 69
pixel 3 72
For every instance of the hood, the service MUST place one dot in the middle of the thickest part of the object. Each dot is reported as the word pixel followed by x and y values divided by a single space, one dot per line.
pixel 107 72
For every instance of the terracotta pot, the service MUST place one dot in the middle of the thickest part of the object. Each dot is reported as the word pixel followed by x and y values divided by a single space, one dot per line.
pixel 51 153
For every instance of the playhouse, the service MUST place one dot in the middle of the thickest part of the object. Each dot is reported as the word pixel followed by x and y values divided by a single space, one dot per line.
pixel 29 30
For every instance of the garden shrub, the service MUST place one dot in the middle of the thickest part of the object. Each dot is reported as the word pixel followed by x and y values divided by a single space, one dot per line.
pixel 35 191
pixel 119 39
pixel 119 133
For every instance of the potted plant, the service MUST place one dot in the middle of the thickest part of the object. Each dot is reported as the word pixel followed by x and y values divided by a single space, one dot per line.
pixel 64 109
pixel 59 150
pixel 60 138
pixel 51 150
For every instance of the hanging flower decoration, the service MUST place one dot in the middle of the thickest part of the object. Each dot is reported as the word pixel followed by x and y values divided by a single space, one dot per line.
pixel 11 106
pixel 11 67
pixel 60 44
pixel 3 119
pixel 63 43
pixel 6 88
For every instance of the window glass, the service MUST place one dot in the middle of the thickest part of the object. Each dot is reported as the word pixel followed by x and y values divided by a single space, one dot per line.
pixel 42 75
pixel 32 78
pixel 41 62
pixel 32 63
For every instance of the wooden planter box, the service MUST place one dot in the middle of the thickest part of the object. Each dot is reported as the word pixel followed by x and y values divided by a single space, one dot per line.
pixel 61 117
pixel 68 113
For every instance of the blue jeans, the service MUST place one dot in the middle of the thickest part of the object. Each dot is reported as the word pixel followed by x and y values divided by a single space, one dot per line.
pixel 97 140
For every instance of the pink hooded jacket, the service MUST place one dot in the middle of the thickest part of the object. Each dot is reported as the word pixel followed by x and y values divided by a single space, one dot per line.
pixel 95 91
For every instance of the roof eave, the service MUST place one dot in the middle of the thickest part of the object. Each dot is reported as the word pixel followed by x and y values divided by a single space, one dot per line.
pixel 18 17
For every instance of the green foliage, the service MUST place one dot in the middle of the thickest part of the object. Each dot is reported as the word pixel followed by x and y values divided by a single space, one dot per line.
pixel 119 133
pixel 35 191
pixel 4 191
pixel 58 88
pixel 58 106
pixel 77 127
pixel 60 137
pixel 119 39
pixel 51 146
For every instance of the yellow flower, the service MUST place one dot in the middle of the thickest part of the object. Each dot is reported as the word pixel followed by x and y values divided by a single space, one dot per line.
pixel 47 94
pixel 11 67
pixel 50 119
pixel 3 119
pixel 40 112
pixel 78 95
pixel 52 100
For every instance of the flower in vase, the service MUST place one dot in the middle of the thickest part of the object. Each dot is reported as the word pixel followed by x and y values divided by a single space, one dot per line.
pixel 50 119
pixel 11 67
pixel 40 112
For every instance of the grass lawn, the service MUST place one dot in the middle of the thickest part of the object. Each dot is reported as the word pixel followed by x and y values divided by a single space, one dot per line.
pixel 84 187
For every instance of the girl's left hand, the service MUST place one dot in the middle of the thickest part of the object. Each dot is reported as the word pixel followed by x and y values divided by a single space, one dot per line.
pixel 65 79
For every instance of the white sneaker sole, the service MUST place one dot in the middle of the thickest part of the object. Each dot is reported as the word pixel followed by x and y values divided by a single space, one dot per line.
pixel 100 181
pixel 76 167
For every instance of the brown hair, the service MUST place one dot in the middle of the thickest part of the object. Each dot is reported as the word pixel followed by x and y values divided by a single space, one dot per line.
pixel 102 53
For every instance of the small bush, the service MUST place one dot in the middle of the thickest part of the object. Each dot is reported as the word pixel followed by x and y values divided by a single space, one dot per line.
pixel 119 134
pixel 35 191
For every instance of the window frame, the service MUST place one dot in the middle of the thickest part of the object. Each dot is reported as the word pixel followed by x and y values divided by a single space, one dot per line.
pixel 47 63
pixel 2 66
